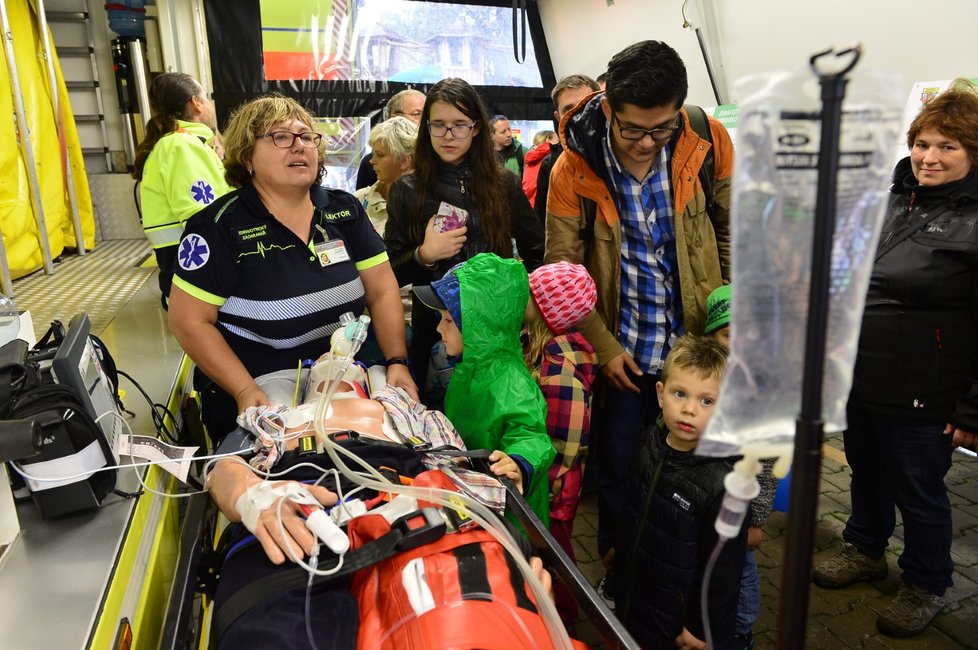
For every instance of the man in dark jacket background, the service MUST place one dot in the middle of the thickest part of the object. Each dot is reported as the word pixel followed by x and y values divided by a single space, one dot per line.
pixel 567 94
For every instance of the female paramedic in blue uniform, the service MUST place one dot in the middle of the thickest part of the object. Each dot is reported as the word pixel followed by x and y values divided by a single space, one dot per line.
pixel 264 273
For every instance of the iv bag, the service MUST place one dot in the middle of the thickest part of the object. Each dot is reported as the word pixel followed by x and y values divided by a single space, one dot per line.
pixel 772 218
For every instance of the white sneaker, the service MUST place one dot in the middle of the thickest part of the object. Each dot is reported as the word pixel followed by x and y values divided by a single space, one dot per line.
pixel 605 590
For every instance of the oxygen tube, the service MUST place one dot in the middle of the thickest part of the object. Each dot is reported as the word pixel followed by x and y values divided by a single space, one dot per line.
pixel 348 344
pixel 741 487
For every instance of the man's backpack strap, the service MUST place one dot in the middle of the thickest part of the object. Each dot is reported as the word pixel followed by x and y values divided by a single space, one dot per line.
pixel 701 125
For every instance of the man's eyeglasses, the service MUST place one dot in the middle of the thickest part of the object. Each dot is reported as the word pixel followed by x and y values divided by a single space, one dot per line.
pixel 460 131
pixel 415 114
pixel 285 139
pixel 634 133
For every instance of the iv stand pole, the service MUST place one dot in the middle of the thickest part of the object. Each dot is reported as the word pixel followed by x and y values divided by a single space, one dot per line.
pixel 809 427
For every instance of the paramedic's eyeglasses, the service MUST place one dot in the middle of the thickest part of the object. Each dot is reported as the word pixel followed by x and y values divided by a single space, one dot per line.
pixel 285 139
pixel 460 131
pixel 634 133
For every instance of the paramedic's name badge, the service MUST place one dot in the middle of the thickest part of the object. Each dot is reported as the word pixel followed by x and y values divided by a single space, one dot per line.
pixel 331 251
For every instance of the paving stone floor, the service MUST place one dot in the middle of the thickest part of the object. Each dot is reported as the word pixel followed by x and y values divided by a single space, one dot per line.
pixel 844 618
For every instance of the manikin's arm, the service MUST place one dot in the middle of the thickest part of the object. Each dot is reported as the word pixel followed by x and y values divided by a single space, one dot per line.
pixel 230 478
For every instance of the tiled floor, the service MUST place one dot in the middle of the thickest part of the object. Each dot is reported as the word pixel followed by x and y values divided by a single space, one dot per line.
pixel 100 283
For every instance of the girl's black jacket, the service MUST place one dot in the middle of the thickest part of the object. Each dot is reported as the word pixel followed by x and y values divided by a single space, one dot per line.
pixel 455 186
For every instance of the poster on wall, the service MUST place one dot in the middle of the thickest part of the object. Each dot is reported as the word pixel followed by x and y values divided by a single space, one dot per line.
pixel 392 40
pixel 920 93
pixel 727 116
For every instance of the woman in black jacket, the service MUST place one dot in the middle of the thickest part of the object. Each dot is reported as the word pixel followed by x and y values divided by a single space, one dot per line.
pixel 914 394
pixel 454 163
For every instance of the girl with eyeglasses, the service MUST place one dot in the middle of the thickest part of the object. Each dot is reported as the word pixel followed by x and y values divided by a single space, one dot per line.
pixel 265 272
pixel 454 163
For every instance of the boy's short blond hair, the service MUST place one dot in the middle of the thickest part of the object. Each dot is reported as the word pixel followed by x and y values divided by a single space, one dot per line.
pixel 700 354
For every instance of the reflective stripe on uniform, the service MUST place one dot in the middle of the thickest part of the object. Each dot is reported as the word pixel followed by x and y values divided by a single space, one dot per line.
pixel 200 294
pixel 162 236
pixel 371 262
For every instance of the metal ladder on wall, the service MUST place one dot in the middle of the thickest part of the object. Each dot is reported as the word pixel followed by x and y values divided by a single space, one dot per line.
pixel 85 93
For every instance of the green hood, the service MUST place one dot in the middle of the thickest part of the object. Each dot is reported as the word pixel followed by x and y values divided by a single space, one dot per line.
pixel 492 400
pixel 494 293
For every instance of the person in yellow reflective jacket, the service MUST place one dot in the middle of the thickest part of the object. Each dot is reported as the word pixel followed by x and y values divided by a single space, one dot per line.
pixel 178 165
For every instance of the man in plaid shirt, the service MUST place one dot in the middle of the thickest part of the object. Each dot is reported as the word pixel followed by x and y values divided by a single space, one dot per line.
pixel 625 200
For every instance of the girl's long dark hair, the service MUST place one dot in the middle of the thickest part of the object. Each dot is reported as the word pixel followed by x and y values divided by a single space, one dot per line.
pixel 487 186
pixel 168 97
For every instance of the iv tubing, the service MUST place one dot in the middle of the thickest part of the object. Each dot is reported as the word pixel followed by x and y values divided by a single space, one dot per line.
pixel 449 499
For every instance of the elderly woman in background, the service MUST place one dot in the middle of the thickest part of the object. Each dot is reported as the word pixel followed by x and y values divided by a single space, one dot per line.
pixel 392 143
pixel 914 395
pixel 264 273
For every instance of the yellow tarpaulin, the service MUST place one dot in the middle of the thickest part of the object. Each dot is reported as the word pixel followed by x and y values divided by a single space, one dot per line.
pixel 16 210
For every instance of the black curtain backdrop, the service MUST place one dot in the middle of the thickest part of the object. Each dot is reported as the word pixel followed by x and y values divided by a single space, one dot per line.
pixel 234 37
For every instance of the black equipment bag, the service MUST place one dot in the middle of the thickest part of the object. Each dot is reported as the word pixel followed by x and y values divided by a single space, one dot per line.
pixel 73 443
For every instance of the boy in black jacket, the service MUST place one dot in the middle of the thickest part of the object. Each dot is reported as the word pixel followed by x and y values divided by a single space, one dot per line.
pixel 673 497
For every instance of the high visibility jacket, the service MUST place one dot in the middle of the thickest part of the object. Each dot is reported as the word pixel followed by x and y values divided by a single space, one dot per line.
pixel 182 175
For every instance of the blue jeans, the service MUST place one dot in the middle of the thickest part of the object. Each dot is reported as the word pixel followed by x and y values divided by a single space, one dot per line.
pixel 749 600
pixel 902 462
pixel 616 427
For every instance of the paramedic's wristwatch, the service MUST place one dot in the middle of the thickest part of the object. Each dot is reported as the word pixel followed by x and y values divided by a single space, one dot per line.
pixel 396 361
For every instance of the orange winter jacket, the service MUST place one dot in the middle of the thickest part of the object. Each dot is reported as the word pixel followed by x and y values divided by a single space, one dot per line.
pixel 702 241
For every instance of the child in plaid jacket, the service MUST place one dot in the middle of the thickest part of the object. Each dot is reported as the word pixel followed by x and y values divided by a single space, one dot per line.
pixel 564 365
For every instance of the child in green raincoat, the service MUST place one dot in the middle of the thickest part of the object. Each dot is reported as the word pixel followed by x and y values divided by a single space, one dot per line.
pixel 492 400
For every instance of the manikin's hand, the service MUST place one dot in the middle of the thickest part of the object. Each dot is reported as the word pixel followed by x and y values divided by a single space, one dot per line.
pixel 614 372
pixel 297 536
pixel 439 246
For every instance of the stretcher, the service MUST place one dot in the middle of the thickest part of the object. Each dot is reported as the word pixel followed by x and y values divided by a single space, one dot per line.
pixel 186 623
pixel 188 617
pixel 399 431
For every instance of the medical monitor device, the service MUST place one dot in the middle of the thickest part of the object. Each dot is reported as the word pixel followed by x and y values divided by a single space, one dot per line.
pixel 76 364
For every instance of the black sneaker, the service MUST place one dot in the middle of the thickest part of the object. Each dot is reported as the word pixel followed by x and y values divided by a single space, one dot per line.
pixel 744 641
pixel 606 590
